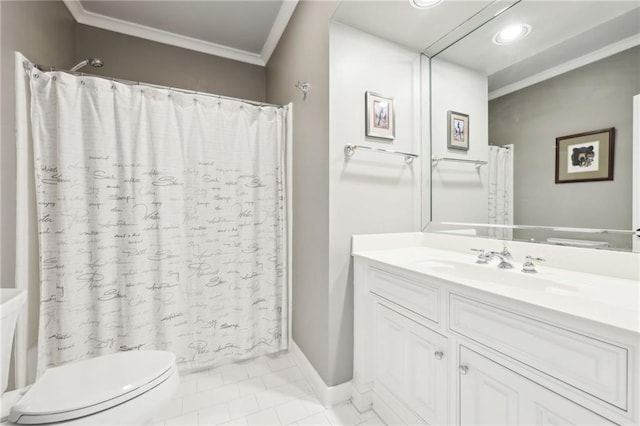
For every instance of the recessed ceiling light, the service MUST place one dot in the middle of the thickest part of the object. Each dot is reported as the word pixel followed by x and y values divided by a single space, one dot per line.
pixel 511 34
pixel 424 4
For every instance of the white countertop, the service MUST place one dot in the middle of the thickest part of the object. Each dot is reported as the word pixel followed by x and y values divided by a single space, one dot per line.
pixel 604 299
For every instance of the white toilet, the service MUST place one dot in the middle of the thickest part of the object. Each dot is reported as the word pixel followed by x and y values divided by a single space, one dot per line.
pixel 117 389
pixel 125 388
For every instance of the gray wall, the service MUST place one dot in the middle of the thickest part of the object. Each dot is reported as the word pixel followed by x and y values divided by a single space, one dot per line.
pixel 303 55
pixel 137 59
pixel 596 96
pixel 44 31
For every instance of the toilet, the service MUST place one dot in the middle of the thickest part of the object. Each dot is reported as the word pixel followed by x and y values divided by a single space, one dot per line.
pixel 122 388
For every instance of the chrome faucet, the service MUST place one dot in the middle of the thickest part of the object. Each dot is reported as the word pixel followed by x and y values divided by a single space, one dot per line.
pixel 504 255
pixel 503 264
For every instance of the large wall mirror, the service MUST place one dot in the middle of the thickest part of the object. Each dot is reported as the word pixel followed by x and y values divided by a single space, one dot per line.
pixel 499 108
pixel 576 70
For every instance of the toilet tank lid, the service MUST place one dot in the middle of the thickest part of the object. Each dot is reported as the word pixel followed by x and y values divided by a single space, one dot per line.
pixel 93 382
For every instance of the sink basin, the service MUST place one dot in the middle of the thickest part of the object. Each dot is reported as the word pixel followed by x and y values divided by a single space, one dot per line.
pixel 11 300
pixel 511 277
pixel 548 282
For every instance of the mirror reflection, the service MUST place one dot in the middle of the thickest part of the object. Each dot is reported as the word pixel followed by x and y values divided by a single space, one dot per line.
pixel 539 72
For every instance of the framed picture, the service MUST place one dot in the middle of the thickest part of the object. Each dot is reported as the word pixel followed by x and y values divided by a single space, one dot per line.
pixel 457 130
pixel 381 116
pixel 585 157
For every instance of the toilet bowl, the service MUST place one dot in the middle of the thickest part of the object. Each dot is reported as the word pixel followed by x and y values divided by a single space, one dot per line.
pixel 124 388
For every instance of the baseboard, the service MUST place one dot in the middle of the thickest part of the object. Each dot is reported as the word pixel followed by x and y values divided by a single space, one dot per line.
pixel 361 396
pixel 327 395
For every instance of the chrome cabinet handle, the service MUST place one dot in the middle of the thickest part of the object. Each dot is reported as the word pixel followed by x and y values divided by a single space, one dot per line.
pixel 438 354
pixel 463 369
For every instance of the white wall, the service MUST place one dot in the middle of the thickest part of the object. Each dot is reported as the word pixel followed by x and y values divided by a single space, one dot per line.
pixel 459 190
pixel 370 192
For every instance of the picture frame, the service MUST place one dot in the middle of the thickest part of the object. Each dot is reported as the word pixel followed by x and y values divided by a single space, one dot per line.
pixel 380 116
pixel 585 157
pixel 457 130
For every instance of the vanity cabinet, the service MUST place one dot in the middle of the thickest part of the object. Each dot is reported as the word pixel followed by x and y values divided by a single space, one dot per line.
pixel 432 351
pixel 492 394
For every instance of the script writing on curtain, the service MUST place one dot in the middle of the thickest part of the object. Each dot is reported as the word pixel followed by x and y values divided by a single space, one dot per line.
pixel 161 222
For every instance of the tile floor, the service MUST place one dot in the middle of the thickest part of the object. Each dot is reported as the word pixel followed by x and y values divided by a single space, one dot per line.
pixel 269 390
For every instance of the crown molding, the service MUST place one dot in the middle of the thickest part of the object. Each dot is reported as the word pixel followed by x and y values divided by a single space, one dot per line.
pixel 136 30
pixel 279 25
pixel 594 56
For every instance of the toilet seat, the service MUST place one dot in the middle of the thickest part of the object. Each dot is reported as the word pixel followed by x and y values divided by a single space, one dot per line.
pixel 87 387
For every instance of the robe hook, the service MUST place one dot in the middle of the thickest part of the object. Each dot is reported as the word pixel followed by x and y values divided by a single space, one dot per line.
pixel 304 88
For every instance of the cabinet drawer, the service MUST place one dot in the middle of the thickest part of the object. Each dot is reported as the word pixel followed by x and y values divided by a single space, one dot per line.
pixel 413 295
pixel 590 365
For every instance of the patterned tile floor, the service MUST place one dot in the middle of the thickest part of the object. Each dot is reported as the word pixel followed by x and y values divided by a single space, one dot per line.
pixel 269 390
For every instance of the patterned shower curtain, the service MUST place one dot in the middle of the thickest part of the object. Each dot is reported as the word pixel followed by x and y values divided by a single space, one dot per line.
pixel 501 190
pixel 161 222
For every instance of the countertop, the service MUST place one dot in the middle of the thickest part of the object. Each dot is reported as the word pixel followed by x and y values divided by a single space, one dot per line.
pixel 604 299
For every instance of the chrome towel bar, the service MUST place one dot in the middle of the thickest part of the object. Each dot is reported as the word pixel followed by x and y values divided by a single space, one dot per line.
pixel 349 150
pixel 436 160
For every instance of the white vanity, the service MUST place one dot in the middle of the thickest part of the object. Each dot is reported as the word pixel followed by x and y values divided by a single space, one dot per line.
pixel 442 340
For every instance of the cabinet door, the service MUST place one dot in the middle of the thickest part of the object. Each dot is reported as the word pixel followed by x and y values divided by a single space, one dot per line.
pixel 389 339
pixel 410 362
pixel 487 395
pixel 491 394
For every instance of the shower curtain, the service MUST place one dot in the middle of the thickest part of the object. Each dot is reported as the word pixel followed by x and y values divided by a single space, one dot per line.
pixel 501 190
pixel 161 221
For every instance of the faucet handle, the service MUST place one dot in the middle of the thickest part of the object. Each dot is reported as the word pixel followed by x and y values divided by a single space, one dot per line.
pixel 483 258
pixel 528 266
pixel 505 251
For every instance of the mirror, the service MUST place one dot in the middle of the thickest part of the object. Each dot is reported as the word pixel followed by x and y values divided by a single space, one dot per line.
pixel 576 71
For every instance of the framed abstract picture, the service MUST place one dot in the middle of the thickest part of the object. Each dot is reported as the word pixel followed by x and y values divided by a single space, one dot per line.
pixel 380 116
pixel 457 130
pixel 585 157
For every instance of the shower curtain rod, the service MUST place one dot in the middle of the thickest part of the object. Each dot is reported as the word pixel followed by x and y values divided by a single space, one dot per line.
pixel 28 66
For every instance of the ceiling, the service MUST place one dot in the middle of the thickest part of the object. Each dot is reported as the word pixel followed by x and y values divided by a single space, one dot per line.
pixel 402 23
pixel 249 30
pixel 566 34
pixel 243 30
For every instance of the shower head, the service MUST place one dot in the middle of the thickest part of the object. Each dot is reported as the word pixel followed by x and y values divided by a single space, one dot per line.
pixel 94 62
